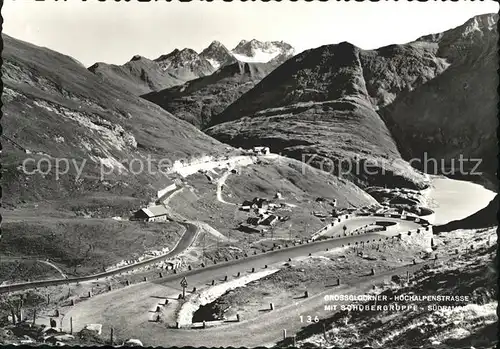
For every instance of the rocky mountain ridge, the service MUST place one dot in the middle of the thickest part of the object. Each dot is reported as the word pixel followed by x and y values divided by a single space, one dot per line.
pixel 198 101
pixel 141 75
pixel 341 104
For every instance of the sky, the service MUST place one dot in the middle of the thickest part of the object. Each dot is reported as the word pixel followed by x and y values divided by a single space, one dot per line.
pixel 113 32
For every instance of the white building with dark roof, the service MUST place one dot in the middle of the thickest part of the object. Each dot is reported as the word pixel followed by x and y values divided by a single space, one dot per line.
pixel 152 214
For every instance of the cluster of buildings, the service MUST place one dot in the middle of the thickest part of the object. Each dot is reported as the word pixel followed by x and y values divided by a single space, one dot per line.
pixel 264 214
pixel 257 151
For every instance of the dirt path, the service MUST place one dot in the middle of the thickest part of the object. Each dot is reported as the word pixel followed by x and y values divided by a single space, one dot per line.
pixel 54 266
pixel 220 183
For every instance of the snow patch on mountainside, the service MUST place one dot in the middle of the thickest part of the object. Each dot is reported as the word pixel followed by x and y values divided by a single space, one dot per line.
pixel 214 63
pixel 259 57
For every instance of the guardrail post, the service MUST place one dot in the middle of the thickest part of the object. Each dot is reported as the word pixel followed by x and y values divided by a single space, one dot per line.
pixel 90 294
pixel 180 296
pixel 127 282
pixel 194 289
pixel 145 278
pixel 338 281
pixel 253 270
pixel 373 271
pixel 289 259
pixel 72 302
pixel 306 294
pixel 166 301
pixel 265 266
pixel 237 317
pixel 177 325
pixel 238 275
pixel 161 275
pixel 158 309
pixel 271 306
pixel 310 254
pixel 213 282
pixel 110 287
pixel 204 324
pixel 284 334
pixel 225 278
pixel 236 257
pixel 189 267
pixel 203 265
pixel 414 261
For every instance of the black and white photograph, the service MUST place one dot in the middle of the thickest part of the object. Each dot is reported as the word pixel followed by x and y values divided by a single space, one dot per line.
pixel 212 173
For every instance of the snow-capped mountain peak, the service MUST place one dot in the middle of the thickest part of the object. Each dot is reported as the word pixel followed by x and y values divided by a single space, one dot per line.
pixel 261 51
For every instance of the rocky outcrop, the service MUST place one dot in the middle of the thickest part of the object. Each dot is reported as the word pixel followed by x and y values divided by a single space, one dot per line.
pixel 454 114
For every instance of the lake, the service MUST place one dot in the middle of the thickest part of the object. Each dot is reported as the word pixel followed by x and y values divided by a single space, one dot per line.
pixel 453 199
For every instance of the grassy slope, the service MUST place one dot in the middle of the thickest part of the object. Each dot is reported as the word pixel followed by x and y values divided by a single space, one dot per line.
pixel 81 247
pixel 141 75
pixel 197 101
pixel 265 180
pixel 317 103
pixel 23 270
pixel 136 76
pixel 54 106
